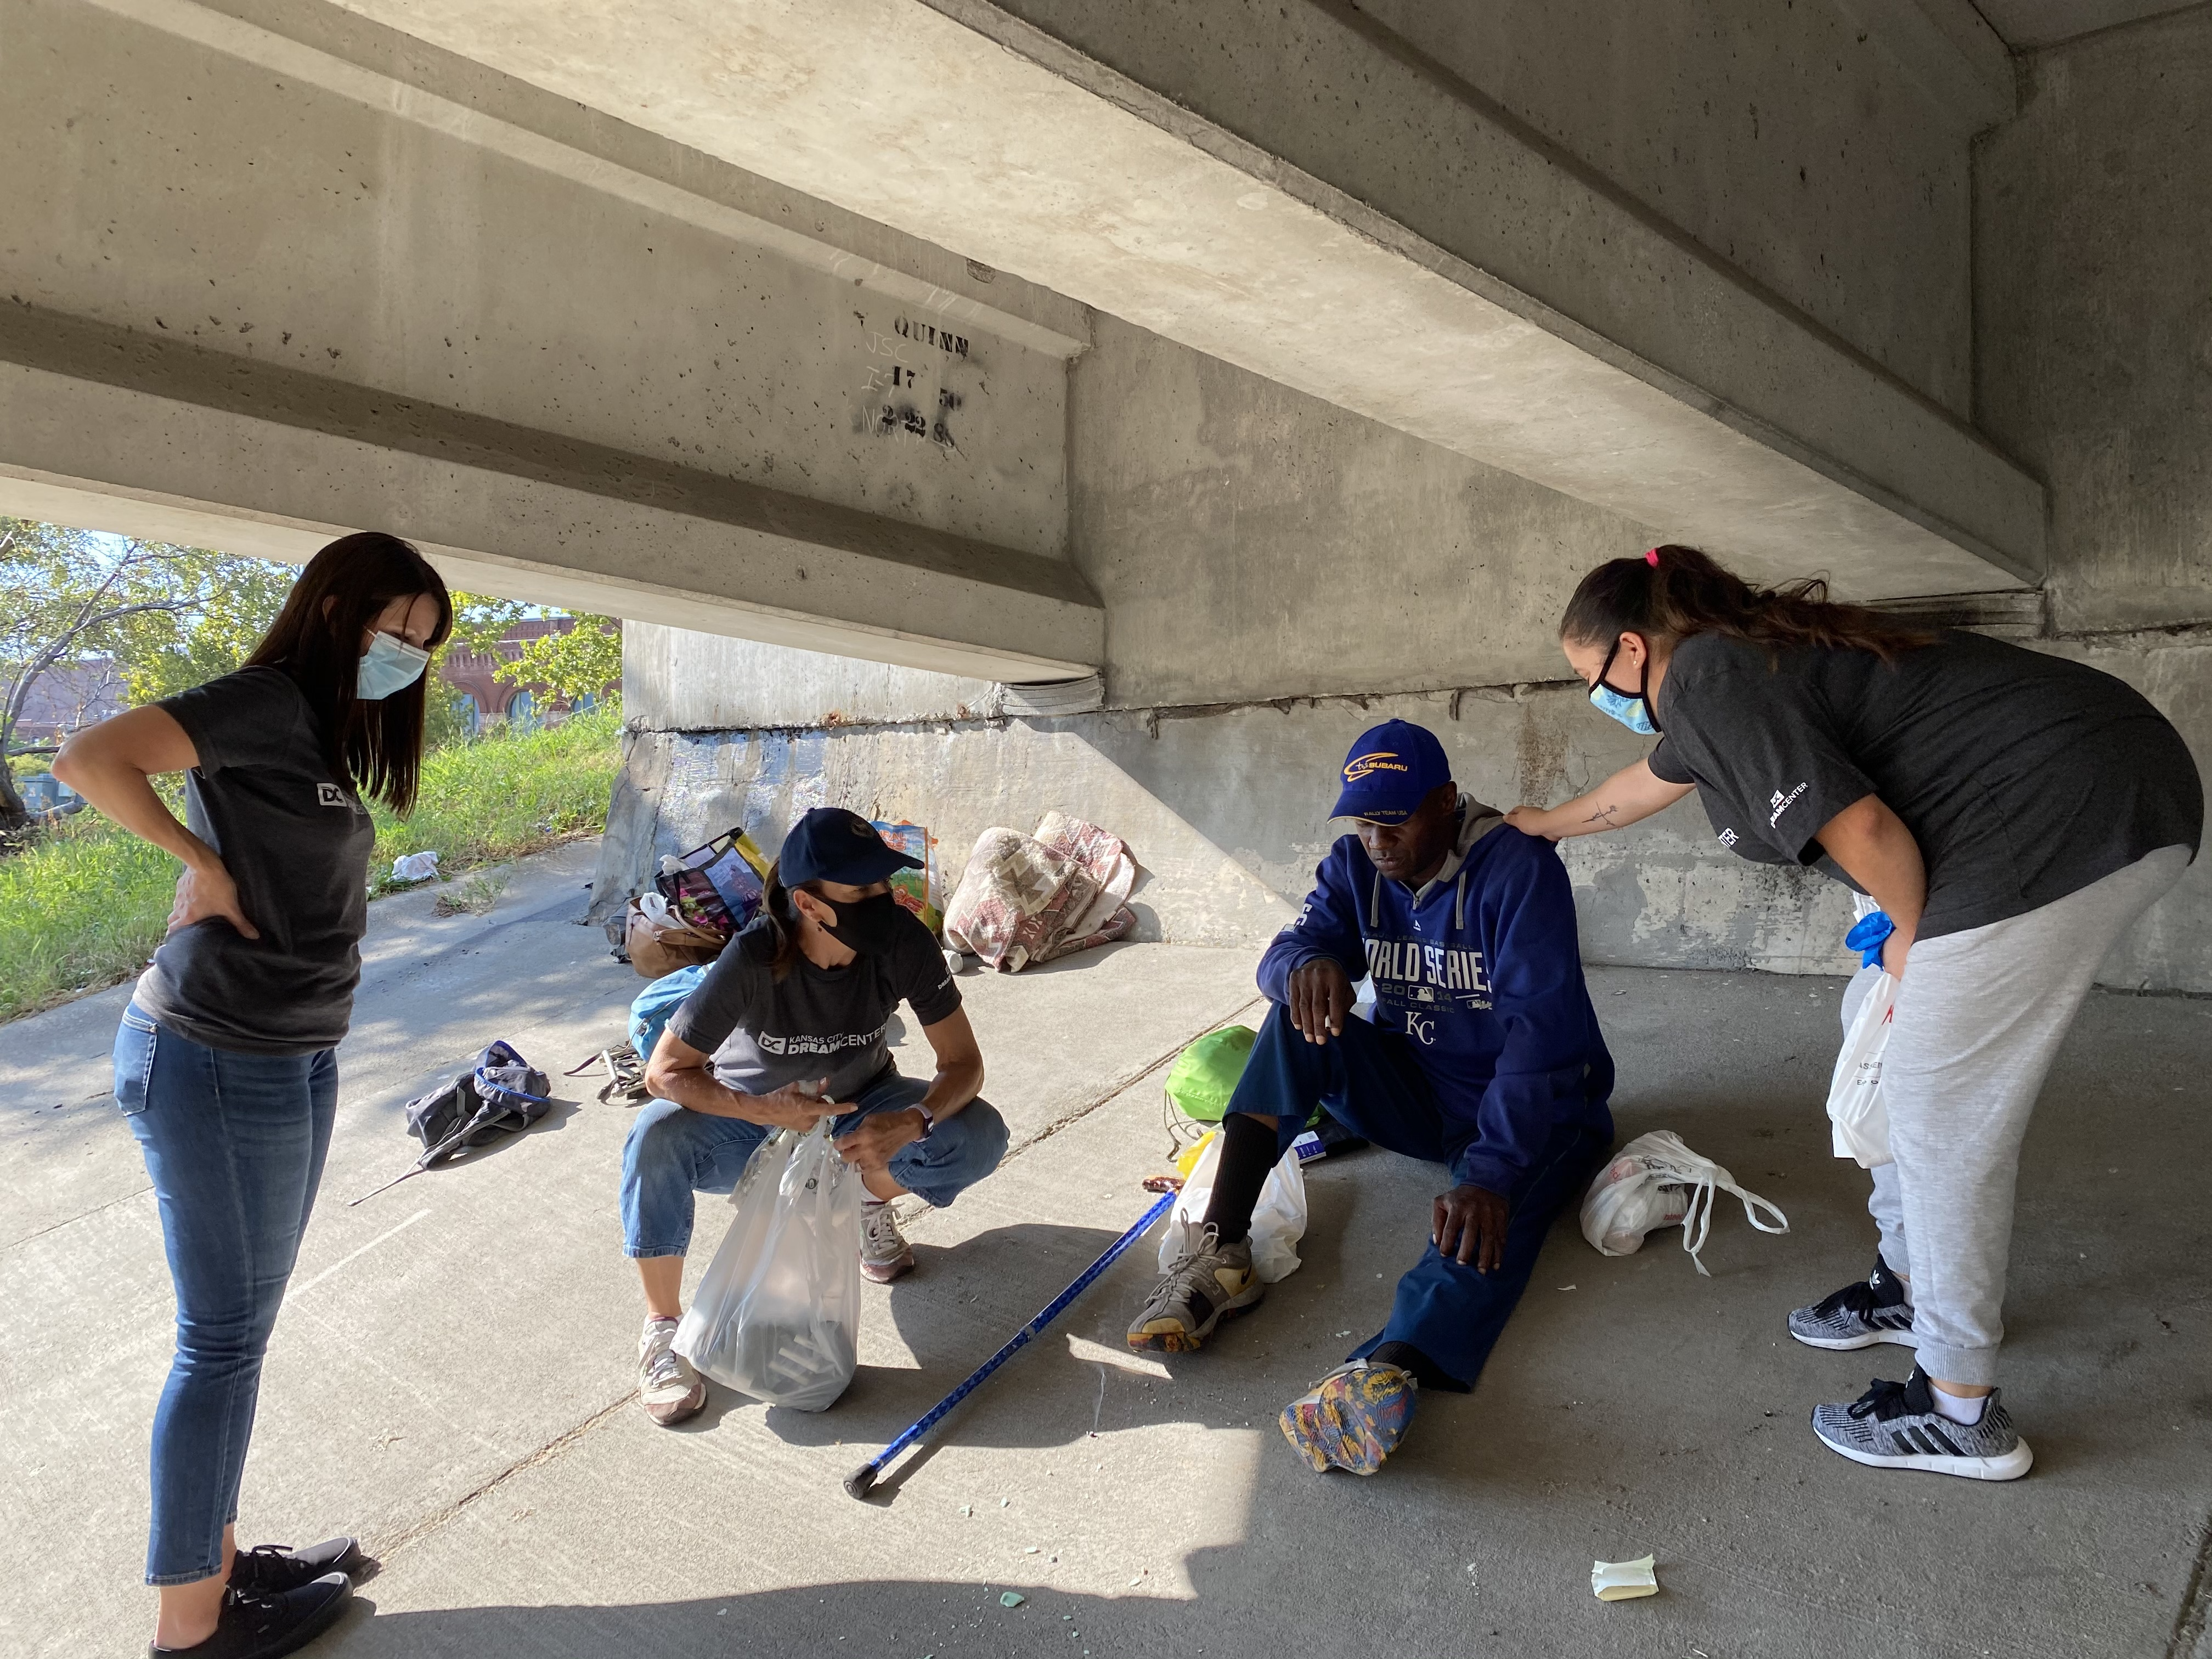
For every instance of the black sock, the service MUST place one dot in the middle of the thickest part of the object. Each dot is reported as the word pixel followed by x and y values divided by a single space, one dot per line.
pixel 1408 1359
pixel 1247 1153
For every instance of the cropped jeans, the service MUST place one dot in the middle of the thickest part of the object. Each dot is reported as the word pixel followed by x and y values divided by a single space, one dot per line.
pixel 674 1152
pixel 234 1145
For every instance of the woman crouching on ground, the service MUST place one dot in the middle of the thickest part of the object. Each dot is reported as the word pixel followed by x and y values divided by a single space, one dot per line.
pixel 224 1063
pixel 2012 813
pixel 791 1025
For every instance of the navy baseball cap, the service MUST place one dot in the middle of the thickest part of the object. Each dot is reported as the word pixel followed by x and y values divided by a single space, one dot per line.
pixel 831 844
pixel 1389 771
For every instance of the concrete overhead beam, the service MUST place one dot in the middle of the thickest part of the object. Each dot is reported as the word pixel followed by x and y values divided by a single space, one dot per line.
pixel 1291 189
pixel 118 431
pixel 258 288
pixel 1947 49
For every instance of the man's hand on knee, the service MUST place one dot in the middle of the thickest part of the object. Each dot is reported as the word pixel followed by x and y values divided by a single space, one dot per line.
pixel 1321 998
pixel 1468 1224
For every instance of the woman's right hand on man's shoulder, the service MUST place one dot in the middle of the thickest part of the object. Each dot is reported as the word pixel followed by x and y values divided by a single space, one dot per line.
pixel 207 890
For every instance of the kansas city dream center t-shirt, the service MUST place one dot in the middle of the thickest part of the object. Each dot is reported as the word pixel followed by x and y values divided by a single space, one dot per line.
pixel 296 843
pixel 816 1021
pixel 2023 776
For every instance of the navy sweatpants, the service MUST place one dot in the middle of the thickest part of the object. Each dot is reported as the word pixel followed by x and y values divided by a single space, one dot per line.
pixel 1369 1081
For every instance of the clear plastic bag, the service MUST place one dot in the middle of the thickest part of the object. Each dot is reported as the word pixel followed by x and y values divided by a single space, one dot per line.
pixel 777 1314
pixel 1656 1181
pixel 1279 1220
pixel 1855 1110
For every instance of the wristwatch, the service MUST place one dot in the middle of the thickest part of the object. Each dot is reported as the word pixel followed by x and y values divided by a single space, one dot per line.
pixel 928 1121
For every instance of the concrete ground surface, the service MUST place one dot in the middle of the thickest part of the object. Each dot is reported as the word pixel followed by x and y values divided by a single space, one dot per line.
pixel 452 1377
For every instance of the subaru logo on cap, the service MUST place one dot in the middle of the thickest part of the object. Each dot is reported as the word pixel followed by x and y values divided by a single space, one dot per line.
pixel 1383 760
pixel 1389 771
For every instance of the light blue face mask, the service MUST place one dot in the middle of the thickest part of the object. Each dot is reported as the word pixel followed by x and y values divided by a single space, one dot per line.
pixel 1629 711
pixel 388 665
pixel 1634 713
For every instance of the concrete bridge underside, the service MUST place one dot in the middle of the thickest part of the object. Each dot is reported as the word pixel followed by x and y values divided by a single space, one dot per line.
pixel 761 320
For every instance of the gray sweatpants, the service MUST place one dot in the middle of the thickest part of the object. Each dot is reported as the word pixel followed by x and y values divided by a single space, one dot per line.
pixel 1979 1019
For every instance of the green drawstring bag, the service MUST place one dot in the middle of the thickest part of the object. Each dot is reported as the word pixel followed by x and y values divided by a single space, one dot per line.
pixel 1205 1074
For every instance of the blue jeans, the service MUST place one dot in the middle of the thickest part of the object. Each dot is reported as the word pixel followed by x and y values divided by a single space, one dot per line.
pixel 1371 1083
pixel 674 1152
pixel 234 1144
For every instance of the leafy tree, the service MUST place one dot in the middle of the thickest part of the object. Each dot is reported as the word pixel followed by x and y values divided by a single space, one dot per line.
pixel 581 662
pixel 67 594
pixel 174 617
pixel 169 652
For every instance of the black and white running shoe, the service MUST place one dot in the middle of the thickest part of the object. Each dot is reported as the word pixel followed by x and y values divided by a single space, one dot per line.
pixel 1876 1309
pixel 1895 1425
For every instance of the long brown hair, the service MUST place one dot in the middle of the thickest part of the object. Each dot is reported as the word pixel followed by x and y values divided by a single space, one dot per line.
pixel 1674 592
pixel 783 919
pixel 316 640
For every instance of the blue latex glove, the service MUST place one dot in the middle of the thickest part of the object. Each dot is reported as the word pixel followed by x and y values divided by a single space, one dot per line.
pixel 1867 936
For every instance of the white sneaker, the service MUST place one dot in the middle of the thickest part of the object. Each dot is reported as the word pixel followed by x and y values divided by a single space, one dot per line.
pixel 885 1253
pixel 667 1387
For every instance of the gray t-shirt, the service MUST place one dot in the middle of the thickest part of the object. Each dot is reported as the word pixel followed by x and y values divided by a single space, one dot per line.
pixel 2023 776
pixel 296 842
pixel 814 1023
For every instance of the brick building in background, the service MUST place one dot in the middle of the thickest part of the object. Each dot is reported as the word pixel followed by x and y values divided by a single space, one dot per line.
pixel 493 701
pixel 67 696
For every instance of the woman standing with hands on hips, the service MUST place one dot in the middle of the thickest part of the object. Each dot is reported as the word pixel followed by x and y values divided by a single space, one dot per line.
pixel 2013 814
pixel 224 1067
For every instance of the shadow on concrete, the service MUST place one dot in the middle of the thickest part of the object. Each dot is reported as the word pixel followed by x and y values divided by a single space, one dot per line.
pixel 885 1616
pixel 1068 964
pixel 952 1314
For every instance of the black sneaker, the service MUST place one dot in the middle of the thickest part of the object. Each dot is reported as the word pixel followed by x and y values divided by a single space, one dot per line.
pixel 263 1627
pixel 1876 1309
pixel 1895 1425
pixel 272 1569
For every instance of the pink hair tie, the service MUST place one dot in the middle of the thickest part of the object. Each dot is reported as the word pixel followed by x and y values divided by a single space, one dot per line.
pixel 1651 558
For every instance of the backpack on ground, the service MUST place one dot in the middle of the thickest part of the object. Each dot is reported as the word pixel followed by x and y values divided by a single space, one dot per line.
pixel 500 1095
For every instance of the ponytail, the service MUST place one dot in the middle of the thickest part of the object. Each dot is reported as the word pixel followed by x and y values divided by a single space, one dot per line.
pixel 1672 593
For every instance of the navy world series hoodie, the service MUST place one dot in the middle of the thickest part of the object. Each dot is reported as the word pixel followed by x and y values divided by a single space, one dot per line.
pixel 1481 972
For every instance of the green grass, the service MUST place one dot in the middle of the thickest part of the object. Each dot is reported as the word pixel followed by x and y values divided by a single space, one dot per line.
pixel 86 905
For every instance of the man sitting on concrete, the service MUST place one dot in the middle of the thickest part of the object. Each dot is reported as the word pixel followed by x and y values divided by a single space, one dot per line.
pixel 1484 1055
pixel 788 1025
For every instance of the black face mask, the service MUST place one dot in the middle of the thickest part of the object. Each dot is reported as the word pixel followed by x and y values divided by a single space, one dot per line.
pixel 869 926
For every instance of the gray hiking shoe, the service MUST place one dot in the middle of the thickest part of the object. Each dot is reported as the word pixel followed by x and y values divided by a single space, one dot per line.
pixel 1875 1310
pixel 1895 1425
pixel 1213 1282
pixel 667 1387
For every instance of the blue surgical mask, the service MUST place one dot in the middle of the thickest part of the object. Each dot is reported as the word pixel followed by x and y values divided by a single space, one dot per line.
pixel 1629 711
pixel 389 665
pixel 1632 712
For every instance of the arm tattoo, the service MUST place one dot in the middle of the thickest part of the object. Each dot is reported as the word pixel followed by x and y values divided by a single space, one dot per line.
pixel 1607 816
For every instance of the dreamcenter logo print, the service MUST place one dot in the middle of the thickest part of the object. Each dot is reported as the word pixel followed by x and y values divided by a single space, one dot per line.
pixel 1383 760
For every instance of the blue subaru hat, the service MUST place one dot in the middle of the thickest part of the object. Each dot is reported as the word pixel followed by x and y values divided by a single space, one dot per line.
pixel 831 844
pixel 1389 771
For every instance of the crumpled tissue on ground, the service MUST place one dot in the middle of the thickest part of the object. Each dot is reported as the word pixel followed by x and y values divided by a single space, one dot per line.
pixel 1622 1581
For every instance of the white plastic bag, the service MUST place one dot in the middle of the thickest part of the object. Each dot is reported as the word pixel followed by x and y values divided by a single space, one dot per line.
pixel 777 1314
pixel 1279 1220
pixel 1656 1181
pixel 1856 1107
